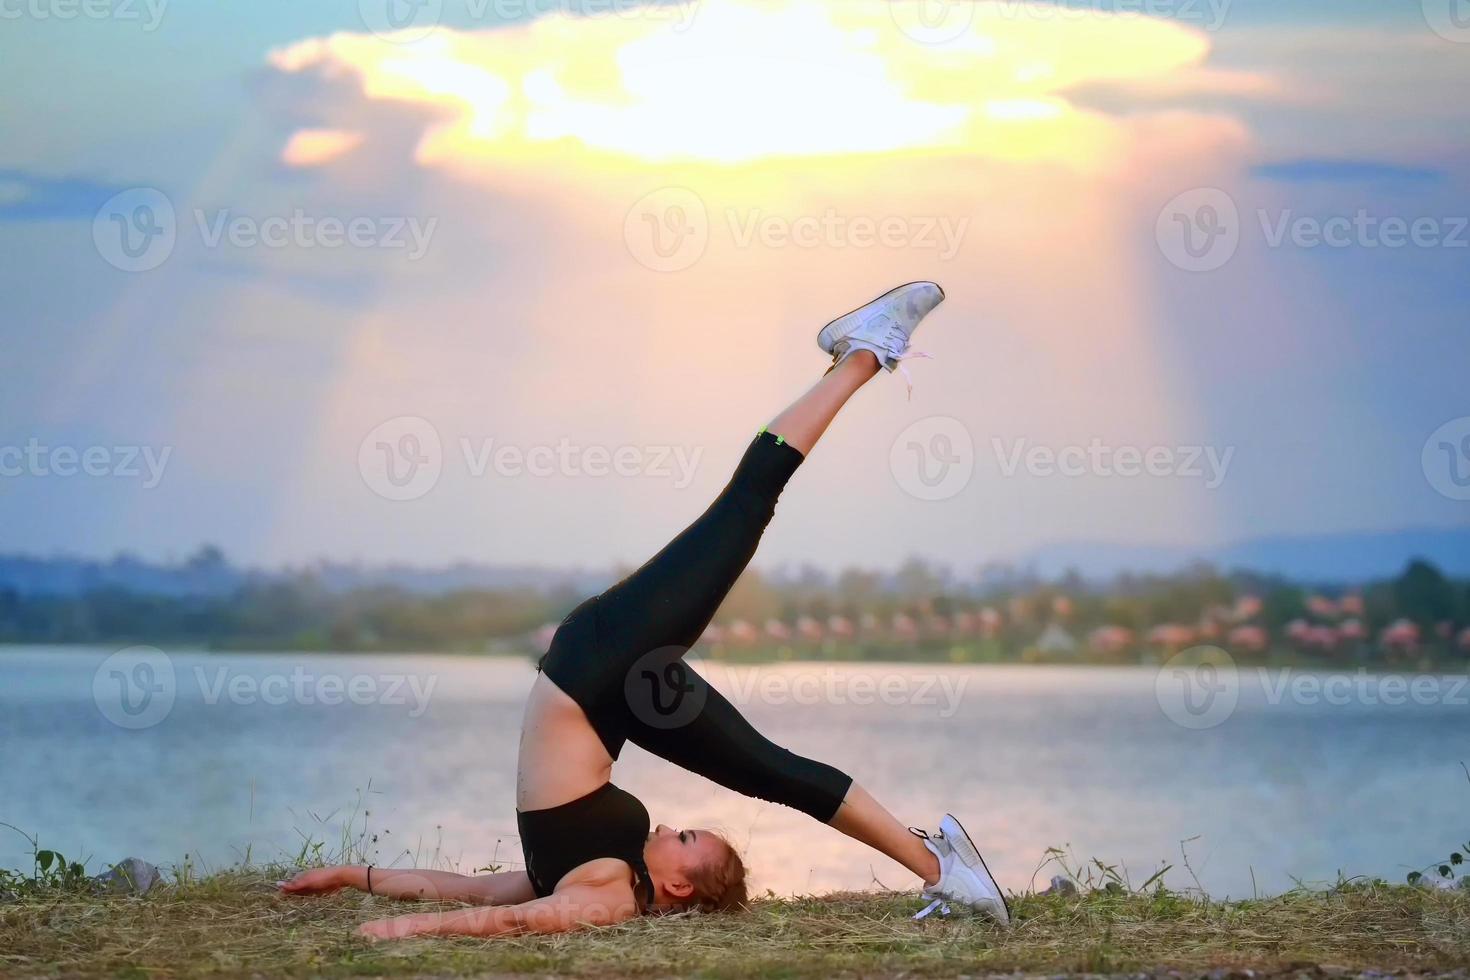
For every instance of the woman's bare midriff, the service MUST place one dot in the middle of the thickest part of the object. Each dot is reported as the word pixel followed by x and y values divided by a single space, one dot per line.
pixel 561 758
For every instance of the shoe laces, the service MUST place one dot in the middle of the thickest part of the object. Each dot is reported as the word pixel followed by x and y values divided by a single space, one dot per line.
pixel 897 343
pixel 938 903
pixel 908 379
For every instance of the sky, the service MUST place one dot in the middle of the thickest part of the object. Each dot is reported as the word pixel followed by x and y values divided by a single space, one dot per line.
pixel 517 281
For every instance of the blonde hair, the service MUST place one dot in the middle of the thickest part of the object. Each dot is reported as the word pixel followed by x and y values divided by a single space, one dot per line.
pixel 720 885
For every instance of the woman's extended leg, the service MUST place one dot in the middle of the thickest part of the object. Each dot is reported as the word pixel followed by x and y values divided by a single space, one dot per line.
pixel 803 423
pixel 718 743
pixel 864 819
pixel 707 735
pixel 671 598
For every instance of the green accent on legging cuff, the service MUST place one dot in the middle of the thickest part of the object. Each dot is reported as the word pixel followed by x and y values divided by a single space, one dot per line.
pixel 780 440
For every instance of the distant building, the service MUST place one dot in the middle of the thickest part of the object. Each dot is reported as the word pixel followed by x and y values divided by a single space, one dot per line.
pixel 1110 640
pixel 1056 641
pixel 1248 639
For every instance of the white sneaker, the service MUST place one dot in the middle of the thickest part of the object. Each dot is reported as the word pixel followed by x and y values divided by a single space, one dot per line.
pixel 883 326
pixel 963 877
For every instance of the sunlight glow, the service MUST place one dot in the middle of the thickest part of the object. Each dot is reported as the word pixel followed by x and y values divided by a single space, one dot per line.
pixel 315 147
pixel 748 80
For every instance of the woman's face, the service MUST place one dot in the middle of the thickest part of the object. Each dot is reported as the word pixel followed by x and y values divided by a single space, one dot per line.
pixel 670 853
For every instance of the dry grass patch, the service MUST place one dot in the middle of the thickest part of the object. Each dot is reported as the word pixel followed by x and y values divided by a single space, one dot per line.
pixel 236 923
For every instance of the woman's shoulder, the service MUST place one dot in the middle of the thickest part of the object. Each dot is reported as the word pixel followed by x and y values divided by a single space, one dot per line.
pixel 599 872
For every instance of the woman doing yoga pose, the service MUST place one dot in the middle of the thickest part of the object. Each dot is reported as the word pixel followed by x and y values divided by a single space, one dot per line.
pixel 615 672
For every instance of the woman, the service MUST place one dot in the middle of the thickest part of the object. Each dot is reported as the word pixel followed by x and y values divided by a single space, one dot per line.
pixel 615 673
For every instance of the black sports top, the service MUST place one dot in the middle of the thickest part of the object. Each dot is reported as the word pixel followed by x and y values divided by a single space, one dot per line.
pixel 607 822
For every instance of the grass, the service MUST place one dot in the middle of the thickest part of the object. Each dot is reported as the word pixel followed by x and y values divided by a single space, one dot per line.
pixel 235 923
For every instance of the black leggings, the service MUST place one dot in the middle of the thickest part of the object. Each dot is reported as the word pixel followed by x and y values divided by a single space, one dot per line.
pixel 620 655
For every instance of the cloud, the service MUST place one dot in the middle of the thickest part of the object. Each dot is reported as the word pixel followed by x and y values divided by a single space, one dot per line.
pixel 1345 171
pixel 317 147
pixel 26 197
pixel 747 81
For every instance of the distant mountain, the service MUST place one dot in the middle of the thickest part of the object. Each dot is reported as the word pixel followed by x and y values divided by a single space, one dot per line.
pixel 1344 557
pixel 205 573
pixel 1320 558
pixel 458 577
pixel 208 573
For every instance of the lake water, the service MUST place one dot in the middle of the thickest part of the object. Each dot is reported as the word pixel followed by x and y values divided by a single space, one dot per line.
pixel 256 751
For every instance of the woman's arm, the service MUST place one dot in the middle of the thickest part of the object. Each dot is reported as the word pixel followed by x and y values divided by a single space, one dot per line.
pixel 502 888
pixel 573 907
pixel 599 893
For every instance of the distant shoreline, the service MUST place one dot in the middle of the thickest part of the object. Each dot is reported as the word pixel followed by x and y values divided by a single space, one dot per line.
pixel 1283 661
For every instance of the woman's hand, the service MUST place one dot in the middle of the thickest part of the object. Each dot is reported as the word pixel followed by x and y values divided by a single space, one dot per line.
pixel 317 881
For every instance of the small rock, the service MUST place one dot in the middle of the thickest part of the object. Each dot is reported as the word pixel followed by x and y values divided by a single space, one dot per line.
pixel 1436 882
pixel 130 876
pixel 1061 885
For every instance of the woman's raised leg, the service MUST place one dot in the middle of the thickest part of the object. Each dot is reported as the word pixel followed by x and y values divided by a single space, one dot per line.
pixel 671 598
pixel 803 423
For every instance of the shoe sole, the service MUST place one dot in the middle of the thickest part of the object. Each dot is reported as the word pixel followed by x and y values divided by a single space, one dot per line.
pixel 969 844
pixel 822 334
